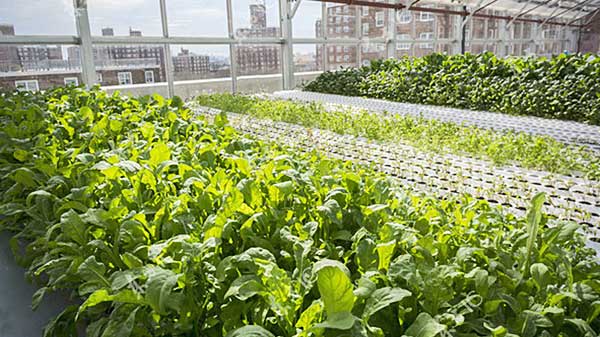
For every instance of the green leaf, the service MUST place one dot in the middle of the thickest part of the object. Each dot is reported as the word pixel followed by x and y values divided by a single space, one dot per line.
pixel 160 290
pixel 539 271
pixel 160 152
pixel 534 217
pixel 425 326
pixel 340 320
pixel 119 328
pixel 382 298
pixel 74 227
pixel 92 273
pixel 245 287
pixel 335 286
pixel 250 331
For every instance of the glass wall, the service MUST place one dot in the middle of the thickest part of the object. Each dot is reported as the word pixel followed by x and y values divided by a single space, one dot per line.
pixel 39 67
pixel 37 17
pixel 197 18
pixel 125 18
pixel 201 48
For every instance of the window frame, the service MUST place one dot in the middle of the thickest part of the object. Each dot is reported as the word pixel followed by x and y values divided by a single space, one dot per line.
pixel 66 80
pixel 402 14
pixel 119 74
pixel 378 19
pixel 27 82
pixel 146 72
pixel 426 17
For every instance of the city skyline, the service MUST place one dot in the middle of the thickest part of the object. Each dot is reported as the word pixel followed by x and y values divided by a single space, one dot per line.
pixel 206 18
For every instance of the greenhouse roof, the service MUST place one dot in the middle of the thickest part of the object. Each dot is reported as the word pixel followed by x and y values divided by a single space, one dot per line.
pixel 562 12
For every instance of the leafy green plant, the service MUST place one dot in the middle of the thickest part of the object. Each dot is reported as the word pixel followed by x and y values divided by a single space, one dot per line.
pixel 161 223
pixel 562 87
pixel 501 147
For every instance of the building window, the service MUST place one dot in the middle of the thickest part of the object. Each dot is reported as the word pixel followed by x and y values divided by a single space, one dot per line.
pixel 27 85
pixel 71 81
pixel 365 11
pixel 365 28
pixel 404 17
pixel 426 36
pixel 379 19
pixel 403 45
pixel 425 17
pixel 99 78
pixel 124 78
pixel 149 76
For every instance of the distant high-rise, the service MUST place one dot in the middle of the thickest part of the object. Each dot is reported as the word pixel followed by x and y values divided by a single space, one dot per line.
pixel 258 14
pixel 108 31
pixel 134 32
pixel 9 59
pixel 7 30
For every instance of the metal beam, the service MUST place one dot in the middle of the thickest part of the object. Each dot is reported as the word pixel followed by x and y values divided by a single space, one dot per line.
pixel 88 69
pixel 468 18
pixel 447 11
pixel 294 9
pixel 39 39
pixel 182 40
pixel 566 10
pixel 167 47
pixel 589 21
pixel 232 48
pixel 287 51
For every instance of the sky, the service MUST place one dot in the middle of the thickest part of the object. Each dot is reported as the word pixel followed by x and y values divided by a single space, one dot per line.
pixel 205 18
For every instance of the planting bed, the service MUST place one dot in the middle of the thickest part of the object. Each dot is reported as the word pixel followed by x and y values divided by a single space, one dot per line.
pixel 565 131
pixel 157 221
pixel 569 197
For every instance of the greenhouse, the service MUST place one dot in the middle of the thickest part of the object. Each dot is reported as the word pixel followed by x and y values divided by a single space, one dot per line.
pixel 300 168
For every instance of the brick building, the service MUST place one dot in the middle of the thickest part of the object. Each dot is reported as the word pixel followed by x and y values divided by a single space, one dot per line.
pixel 186 64
pixel 258 59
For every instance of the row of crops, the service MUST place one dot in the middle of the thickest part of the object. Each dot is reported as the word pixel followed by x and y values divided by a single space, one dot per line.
pixel 564 87
pixel 161 222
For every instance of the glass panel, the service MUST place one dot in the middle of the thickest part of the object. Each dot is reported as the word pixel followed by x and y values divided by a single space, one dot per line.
pixel 122 18
pixel 130 65
pixel 445 24
pixel 341 20
pixel 38 67
pixel 404 46
pixel 493 29
pixel 372 22
pixel 372 51
pixel 341 56
pixel 37 17
pixel 478 28
pixel 201 68
pixel 258 59
pixel 197 18
pixel 256 18
pixel 307 21
pixel 307 57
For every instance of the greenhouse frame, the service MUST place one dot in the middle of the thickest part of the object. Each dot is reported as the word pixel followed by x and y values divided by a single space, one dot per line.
pixel 556 26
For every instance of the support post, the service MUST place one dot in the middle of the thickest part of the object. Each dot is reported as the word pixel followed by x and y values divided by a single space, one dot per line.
pixel 390 32
pixel 358 34
pixel 167 49
pixel 463 32
pixel 232 48
pixel 324 53
pixel 287 57
pixel 88 69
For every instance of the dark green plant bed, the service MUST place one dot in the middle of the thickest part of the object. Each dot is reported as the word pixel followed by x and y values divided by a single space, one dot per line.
pixel 563 87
